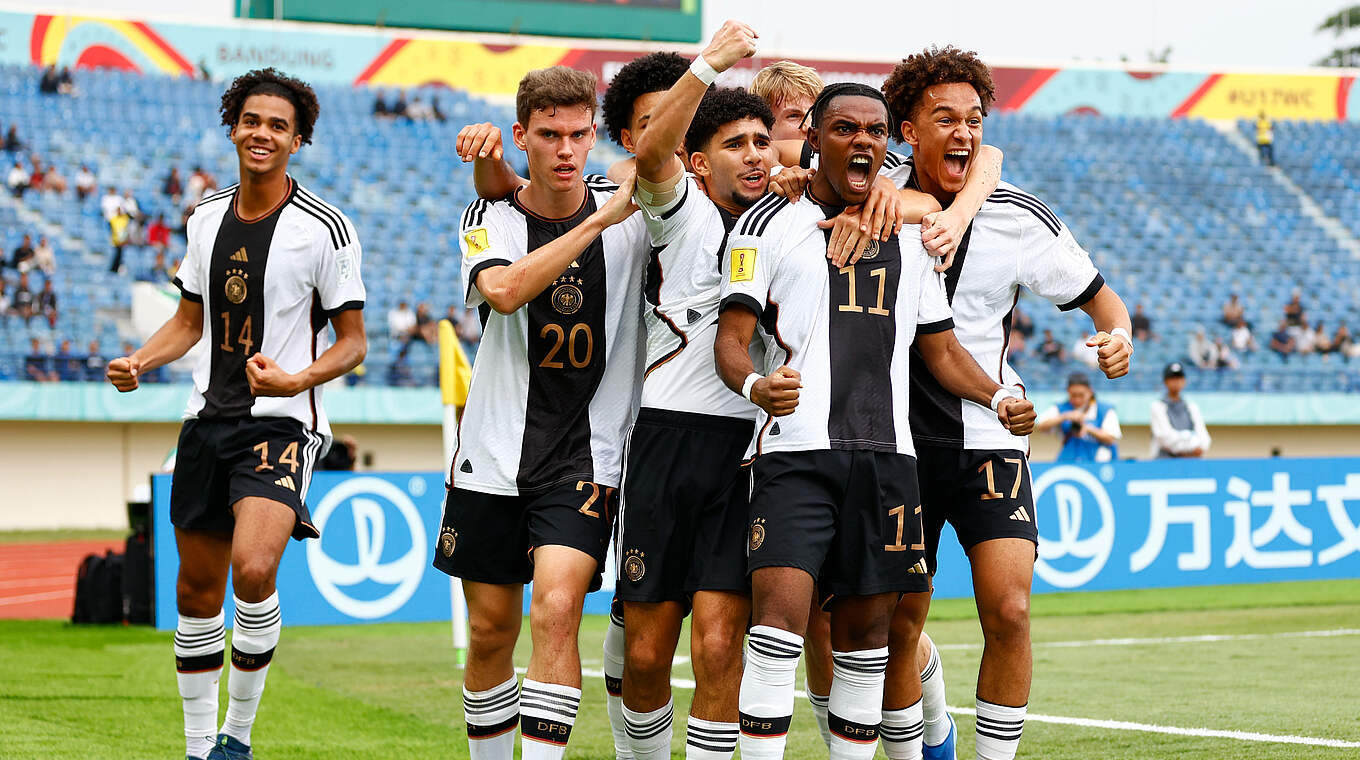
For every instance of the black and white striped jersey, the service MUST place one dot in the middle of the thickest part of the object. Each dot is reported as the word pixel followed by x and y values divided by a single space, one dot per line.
pixel 1015 240
pixel 684 285
pixel 555 384
pixel 847 331
pixel 267 286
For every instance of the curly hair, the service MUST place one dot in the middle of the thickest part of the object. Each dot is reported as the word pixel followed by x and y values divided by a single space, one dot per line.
pixel 906 85
pixel 724 105
pixel 272 82
pixel 654 72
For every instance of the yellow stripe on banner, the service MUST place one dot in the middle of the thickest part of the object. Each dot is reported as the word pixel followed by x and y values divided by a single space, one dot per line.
pixel 61 26
pixel 455 371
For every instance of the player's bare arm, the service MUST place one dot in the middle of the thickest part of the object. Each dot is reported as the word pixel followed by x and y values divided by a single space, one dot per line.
pixel 942 231
pixel 170 342
pixel 776 393
pixel 482 145
pixel 1111 319
pixel 960 374
pixel 506 288
pixel 267 378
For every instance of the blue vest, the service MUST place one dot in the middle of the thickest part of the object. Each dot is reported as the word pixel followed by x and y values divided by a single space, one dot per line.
pixel 1078 449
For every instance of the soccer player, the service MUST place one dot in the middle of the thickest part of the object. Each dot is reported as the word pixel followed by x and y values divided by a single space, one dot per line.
pixel 556 266
pixel 789 89
pixel 270 263
pixel 681 540
pixel 973 471
pixel 834 498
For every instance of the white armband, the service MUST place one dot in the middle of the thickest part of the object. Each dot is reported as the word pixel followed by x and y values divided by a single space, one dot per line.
pixel 750 381
pixel 1003 393
pixel 1125 335
pixel 703 71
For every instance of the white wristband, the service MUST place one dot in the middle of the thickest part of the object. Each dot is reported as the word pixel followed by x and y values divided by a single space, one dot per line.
pixel 750 381
pixel 1002 393
pixel 703 70
pixel 1125 335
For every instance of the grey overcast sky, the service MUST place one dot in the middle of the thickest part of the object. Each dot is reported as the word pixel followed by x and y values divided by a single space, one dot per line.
pixel 1238 33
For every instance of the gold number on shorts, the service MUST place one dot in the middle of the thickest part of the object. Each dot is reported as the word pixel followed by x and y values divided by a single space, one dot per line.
pixel 1019 475
pixel 991 482
pixel 289 457
pixel 900 512
pixel 594 495
pixel 580 336
pixel 263 448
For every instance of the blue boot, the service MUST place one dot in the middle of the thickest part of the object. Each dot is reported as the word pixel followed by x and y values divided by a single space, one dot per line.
pixel 942 751
pixel 228 748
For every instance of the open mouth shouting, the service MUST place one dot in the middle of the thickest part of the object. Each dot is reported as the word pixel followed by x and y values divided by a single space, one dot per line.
pixel 956 162
pixel 858 172
pixel 753 180
pixel 565 170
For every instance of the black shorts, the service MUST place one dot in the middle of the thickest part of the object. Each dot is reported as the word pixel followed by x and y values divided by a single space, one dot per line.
pixel 849 518
pixel 221 461
pixel 983 494
pixel 682 519
pixel 490 538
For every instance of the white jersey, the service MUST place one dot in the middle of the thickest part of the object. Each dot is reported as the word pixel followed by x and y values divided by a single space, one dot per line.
pixel 684 286
pixel 1015 240
pixel 847 331
pixel 555 384
pixel 267 286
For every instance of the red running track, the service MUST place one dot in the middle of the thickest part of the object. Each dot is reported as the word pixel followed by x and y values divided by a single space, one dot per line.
pixel 39 580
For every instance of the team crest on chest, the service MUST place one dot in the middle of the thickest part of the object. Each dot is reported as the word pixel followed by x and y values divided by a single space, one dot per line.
pixel 236 285
pixel 869 252
pixel 567 296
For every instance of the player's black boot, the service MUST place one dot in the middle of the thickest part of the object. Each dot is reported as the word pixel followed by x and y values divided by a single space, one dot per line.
pixel 228 748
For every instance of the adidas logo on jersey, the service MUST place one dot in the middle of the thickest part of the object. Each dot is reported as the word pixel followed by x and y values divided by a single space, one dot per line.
pixel 240 255
pixel 287 482
pixel 1021 515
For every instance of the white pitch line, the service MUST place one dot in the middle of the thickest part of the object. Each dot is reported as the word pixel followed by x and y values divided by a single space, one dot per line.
pixel 1114 725
pixel 1203 639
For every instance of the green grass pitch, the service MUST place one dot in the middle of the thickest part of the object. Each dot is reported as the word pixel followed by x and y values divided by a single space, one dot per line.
pixel 392 691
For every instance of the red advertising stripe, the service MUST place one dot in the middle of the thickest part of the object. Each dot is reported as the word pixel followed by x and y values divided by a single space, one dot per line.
pixel 158 41
pixel 386 55
pixel 35 39
pixel 1038 79
pixel 1343 94
pixel 1183 109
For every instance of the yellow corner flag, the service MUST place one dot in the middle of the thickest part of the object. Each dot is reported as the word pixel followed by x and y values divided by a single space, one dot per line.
pixel 455 371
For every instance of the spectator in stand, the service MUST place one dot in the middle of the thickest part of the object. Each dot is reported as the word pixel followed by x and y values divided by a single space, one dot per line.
pixel 12 142
pixel 1322 341
pixel 1303 339
pixel 1345 345
pixel 1090 429
pixel 1200 350
pixel 173 187
pixel 39 365
pixel 86 183
pixel 419 110
pixel 468 328
pixel 158 235
pixel 94 363
pixel 201 70
pixel 1086 354
pixel 70 367
pixel 1223 356
pixel 342 455
pixel 438 113
pixel 1265 139
pixel 22 258
pixel 1177 426
pixel 399 373
pixel 1021 322
pixel 35 173
pixel 1293 311
pixel 135 217
pixel 119 227
pixel 401 321
pixel 380 109
pixel 1142 324
pixel 110 205
pixel 18 179
pixel 200 183
pixel 1242 339
pixel 66 84
pixel 53 181
pixel 1232 311
pixel 50 81
pixel 426 325
pixel 398 109
pixel 4 302
pixel 47 303
pixel 22 300
pixel 1281 342
pixel 1051 350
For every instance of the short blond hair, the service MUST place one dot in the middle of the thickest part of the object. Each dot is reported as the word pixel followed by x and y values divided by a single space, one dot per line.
pixel 786 80
pixel 554 87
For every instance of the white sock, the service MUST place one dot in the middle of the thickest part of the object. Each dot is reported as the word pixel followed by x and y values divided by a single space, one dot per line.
pixel 547 711
pixel 934 712
pixel 766 700
pixel 819 702
pixel 253 638
pixel 998 730
pixel 199 645
pixel 710 740
pixel 613 682
pixel 492 717
pixel 649 733
pixel 901 733
pixel 855 708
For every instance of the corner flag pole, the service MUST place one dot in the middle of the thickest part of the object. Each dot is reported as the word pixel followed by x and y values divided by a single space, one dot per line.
pixel 455 374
